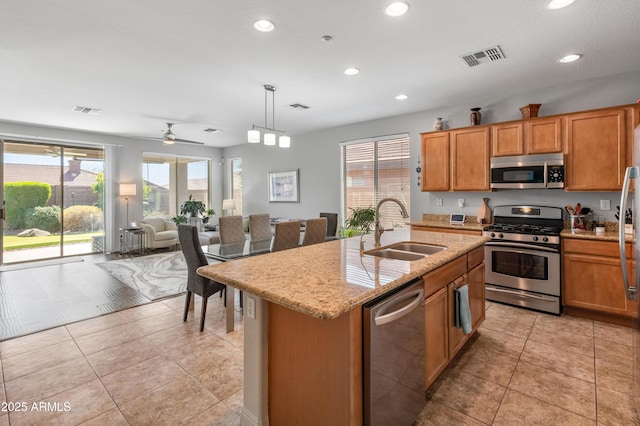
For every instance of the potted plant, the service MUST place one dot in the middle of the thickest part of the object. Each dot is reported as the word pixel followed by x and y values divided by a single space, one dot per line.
pixel 193 208
pixel 359 221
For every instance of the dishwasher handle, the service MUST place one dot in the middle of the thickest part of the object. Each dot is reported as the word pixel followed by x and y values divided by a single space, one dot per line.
pixel 418 296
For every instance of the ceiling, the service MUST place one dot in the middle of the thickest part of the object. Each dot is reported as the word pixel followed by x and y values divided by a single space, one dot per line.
pixel 201 64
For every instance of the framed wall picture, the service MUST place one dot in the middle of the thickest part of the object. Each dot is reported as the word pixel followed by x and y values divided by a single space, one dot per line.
pixel 284 187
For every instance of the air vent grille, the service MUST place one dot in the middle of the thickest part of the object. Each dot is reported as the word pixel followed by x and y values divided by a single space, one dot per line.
pixel 212 130
pixel 489 54
pixel 86 110
pixel 298 106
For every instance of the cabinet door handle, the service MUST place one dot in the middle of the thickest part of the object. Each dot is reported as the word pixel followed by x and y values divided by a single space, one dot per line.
pixel 632 291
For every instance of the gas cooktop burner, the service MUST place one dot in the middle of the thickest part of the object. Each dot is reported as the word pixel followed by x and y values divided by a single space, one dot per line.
pixel 523 228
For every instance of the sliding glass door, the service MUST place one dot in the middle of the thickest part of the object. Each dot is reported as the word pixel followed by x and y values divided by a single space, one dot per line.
pixel 54 201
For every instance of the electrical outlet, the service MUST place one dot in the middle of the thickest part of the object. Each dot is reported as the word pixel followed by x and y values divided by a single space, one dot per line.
pixel 439 201
pixel 460 202
pixel 605 204
pixel 251 307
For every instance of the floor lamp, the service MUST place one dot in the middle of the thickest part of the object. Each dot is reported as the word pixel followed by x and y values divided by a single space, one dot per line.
pixel 126 190
pixel 229 204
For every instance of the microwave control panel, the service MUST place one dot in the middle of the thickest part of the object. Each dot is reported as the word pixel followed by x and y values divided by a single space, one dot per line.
pixel 555 174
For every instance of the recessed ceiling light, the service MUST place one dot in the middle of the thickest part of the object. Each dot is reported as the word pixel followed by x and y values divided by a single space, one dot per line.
pixel 264 25
pixel 397 8
pixel 570 58
pixel 402 97
pixel 352 71
pixel 326 38
pixel 559 4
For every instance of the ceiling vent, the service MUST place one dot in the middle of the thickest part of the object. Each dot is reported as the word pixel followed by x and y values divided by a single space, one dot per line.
pixel 212 130
pixel 490 54
pixel 298 106
pixel 86 110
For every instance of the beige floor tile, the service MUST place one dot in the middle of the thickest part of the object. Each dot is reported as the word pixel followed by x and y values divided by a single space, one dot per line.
pixel 235 401
pixel 236 337
pixel 222 378
pixel 3 397
pixel 71 407
pixel 32 342
pixel 612 350
pixel 613 333
pixel 93 325
pixel 175 303
pixel 49 356
pixel 122 356
pixel 554 388
pixel 144 311
pixel 109 338
pixel 517 322
pixel 564 324
pixel 203 351
pixel 560 360
pixel 131 382
pixel 437 414
pixel 497 341
pixel 468 394
pixel 520 409
pixel 4 420
pixel 1 373
pixel 486 364
pixel 184 334
pixel 50 381
pixel 568 341
pixel 171 404
pixel 614 374
pixel 112 417
pixel 615 408
pixel 158 322
pixel 218 415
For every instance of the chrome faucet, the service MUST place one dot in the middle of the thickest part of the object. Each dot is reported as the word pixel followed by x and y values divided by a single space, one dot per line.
pixel 379 229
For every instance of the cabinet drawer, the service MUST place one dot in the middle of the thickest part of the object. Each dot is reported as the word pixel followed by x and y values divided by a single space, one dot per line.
pixel 475 257
pixel 596 248
pixel 442 276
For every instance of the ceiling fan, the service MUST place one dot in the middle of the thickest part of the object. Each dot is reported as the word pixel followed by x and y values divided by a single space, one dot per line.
pixel 169 138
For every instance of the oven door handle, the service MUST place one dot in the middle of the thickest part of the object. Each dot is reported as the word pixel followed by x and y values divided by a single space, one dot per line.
pixel 520 294
pixel 521 246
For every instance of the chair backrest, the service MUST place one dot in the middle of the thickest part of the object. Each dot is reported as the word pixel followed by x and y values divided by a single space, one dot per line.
pixel 260 227
pixel 332 223
pixel 231 231
pixel 315 231
pixel 190 245
pixel 286 236
pixel 157 223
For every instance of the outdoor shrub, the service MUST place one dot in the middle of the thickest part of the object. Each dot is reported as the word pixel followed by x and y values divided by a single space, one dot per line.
pixel 22 196
pixel 46 218
pixel 83 219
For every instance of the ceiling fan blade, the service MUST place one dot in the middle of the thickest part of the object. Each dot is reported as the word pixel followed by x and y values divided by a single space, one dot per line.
pixel 188 141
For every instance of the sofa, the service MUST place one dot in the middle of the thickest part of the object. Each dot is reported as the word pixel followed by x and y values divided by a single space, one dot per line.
pixel 161 233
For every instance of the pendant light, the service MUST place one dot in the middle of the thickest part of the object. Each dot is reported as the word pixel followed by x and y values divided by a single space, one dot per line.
pixel 269 139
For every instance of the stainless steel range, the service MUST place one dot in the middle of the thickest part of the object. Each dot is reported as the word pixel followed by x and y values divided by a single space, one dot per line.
pixel 522 260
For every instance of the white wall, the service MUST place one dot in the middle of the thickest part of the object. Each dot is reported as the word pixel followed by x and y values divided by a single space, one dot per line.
pixel 317 154
pixel 129 169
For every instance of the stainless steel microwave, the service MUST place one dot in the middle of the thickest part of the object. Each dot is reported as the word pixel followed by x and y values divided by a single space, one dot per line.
pixel 528 171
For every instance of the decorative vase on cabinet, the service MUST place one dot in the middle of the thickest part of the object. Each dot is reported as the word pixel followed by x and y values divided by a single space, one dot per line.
pixel 475 116
pixel 438 123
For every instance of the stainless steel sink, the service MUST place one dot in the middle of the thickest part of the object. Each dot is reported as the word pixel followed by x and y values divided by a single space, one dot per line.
pixel 406 251
pixel 417 248
pixel 395 254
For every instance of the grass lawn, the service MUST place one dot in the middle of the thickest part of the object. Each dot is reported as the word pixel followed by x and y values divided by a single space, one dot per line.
pixel 12 242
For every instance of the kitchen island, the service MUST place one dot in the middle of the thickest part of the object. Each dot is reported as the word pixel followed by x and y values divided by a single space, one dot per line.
pixel 303 321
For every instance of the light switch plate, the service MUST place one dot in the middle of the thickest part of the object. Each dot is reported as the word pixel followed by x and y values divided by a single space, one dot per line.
pixel 460 202
pixel 605 204
pixel 251 307
pixel 438 201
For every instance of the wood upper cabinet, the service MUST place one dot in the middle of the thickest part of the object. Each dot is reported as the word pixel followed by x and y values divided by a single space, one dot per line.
pixel 596 150
pixel 592 277
pixel 535 136
pixel 470 153
pixel 435 161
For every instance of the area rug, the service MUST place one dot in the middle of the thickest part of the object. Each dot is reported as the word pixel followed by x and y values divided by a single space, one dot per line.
pixel 155 276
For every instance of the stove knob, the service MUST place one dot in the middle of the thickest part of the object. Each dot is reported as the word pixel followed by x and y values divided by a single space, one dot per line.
pixel 535 238
pixel 493 235
pixel 545 239
pixel 500 236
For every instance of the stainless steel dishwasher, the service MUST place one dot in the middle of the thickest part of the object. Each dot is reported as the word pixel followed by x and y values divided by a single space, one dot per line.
pixel 394 344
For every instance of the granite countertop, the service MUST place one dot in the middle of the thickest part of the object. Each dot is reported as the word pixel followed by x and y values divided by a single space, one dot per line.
pixel 329 279
pixel 591 235
pixel 435 223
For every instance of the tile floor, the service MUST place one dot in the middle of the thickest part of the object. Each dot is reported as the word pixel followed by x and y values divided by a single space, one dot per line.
pixel 144 366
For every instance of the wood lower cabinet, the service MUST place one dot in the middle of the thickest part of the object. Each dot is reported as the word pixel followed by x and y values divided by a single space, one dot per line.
pixel 443 339
pixel 596 150
pixel 592 280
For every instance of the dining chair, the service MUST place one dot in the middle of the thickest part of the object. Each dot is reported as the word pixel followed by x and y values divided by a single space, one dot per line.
pixel 286 236
pixel 231 230
pixel 195 258
pixel 260 227
pixel 315 232
pixel 332 223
